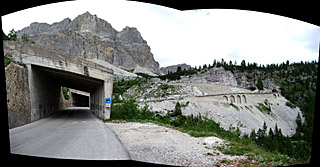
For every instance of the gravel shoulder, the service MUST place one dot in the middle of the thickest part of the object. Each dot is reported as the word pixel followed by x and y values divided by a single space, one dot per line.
pixel 148 142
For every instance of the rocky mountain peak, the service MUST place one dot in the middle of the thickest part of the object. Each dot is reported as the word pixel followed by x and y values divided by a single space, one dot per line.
pixel 91 23
pixel 131 35
pixel 91 37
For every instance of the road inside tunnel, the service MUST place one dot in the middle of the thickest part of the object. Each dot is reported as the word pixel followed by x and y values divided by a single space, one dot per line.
pixel 74 133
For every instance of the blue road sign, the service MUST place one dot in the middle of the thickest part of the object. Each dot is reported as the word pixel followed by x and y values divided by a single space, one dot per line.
pixel 108 100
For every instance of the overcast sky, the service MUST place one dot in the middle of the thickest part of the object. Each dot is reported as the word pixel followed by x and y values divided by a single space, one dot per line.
pixel 195 37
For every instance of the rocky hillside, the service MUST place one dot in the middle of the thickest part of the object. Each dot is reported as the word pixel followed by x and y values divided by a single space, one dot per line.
pixel 251 77
pixel 293 85
pixel 248 112
pixel 173 68
pixel 276 100
pixel 214 75
pixel 90 37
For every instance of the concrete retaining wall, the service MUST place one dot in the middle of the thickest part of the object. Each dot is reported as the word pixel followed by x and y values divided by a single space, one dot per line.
pixel 18 99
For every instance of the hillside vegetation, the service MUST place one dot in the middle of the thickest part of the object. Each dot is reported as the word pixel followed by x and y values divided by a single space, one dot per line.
pixel 297 83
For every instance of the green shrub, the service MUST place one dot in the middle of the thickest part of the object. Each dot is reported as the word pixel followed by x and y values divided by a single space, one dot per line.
pixel 177 75
pixel 7 58
pixel 260 84
pixel 121 86
pixel 12 36
pixel 25 38
pixel 264 108
pixel 289 104
pixel 65 93
pixel 128 110
pixel 234 106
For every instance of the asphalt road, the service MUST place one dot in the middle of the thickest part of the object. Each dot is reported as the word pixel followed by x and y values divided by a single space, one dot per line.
pixel 74 133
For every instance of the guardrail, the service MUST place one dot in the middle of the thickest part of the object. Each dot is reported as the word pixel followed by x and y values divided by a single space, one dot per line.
pixel 222 94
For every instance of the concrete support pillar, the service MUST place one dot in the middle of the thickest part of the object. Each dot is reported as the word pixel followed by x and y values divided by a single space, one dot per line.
pixel 91 104
pixel 108 86
pixel 100 101
pixel 97 101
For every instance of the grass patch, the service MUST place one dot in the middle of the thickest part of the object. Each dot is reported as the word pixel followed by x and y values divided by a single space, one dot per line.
pixel 225 161
pixel 239 148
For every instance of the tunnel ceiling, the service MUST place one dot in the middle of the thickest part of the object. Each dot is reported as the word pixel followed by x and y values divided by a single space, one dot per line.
pixel 71 80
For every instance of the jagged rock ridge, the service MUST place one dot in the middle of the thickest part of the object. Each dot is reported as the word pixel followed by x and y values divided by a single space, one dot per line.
pixel 90 37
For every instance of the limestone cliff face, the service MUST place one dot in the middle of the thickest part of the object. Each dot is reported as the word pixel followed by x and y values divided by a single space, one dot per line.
pixel 90 37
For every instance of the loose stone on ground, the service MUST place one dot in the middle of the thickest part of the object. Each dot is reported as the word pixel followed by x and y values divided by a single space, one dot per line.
pixel 148 142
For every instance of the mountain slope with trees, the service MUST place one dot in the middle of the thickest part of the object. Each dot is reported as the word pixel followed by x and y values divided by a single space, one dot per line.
pixel 295 81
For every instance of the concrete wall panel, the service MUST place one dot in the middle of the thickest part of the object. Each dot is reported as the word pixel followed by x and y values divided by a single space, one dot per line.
pixel 44 94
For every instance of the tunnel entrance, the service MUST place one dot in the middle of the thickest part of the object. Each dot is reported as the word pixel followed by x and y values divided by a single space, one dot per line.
pixel 75 98
pixel 47 97
pixel 79 100
pixel 42 72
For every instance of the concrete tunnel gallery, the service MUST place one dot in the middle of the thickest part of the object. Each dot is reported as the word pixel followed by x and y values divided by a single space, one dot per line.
pixel 47 94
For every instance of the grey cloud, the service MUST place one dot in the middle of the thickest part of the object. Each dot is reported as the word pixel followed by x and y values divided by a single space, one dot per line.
pixel 312 40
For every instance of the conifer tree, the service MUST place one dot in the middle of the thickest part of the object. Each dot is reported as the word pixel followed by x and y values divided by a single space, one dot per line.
pixel 270 140
pixel 179 69
pixel 253 135
pixel 214 63
pixel 260 84
pixel 299 128
pixel 243 65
